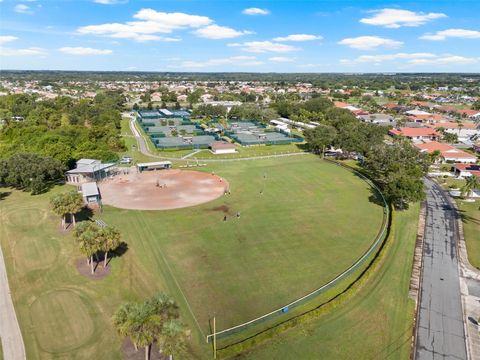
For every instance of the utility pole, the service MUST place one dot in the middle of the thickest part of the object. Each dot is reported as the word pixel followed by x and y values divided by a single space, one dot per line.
pixel 214 339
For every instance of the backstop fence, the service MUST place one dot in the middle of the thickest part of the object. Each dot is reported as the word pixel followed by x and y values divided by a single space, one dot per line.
pixel 367 256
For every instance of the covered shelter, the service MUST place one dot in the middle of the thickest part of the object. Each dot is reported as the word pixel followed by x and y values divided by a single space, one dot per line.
pixel 158 165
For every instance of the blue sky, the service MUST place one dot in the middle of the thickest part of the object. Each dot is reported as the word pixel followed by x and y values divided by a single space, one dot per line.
pixel 257 36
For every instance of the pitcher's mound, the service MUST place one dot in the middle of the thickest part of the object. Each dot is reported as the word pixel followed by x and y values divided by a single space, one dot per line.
pixel 161 190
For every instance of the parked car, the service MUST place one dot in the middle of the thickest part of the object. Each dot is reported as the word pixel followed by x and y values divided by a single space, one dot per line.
pixel 126 160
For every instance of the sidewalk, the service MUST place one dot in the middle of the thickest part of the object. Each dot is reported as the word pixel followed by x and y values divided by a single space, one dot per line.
pixel 470 290
pixel 10 334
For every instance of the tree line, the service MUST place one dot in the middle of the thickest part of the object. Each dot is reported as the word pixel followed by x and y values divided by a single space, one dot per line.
pixel 64 129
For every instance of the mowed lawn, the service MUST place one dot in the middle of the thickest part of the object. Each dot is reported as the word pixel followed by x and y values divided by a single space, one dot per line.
pixel 471 226
pixel 311 221
pixel 61 313
pixel 302 221
pixel 374 324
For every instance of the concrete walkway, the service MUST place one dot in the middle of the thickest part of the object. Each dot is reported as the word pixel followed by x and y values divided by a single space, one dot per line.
pixel 440 328
pixel 10 334
pixel 470 288
pixel 143 148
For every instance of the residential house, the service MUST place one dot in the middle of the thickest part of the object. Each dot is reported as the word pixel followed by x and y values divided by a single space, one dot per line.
pixel 416 134
pixel 448 153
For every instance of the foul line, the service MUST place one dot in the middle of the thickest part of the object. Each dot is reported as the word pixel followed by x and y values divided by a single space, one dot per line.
pixel 176 282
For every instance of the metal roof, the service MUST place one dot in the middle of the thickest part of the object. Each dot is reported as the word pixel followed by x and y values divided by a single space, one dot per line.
pixel 90 189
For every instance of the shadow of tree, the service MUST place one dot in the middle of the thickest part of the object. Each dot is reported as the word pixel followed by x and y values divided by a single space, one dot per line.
pixel 468 218
pixel 85 214
pixel 4 194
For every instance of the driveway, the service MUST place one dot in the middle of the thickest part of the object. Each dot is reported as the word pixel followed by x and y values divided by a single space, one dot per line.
pixel 440 330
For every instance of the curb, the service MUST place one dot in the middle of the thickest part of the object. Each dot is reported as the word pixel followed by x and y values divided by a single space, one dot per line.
pixel 417 274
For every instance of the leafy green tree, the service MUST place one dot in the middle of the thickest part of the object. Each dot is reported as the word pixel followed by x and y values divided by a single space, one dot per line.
pixel 320 137
pixel 398 169
pixel 450 137
pixel 194 97
pixel 30 172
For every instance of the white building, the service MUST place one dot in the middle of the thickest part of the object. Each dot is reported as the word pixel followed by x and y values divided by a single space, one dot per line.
pixel 222 147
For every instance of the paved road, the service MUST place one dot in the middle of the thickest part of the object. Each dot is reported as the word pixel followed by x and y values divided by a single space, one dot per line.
pixel 142 146
pixel 440 331
pixel 12 341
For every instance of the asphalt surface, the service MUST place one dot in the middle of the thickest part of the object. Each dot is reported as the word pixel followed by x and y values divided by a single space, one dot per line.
pixel 10 334
pixel 440 329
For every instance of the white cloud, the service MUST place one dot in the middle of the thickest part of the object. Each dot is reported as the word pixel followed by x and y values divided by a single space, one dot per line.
pixel 7 38
pixel 234 61
pixel 452 33
pixel 32 51
pixel 110 2
pixel 299 37
pixel 6 51
pixel 149 23
pixel 414 59
pixel 445 60
pixel 255 11
pixel 264 46
pixel 395 18
pixel 387 57
pixel 370 42
pixel 281 59
pixel 84 51
pixel 219 32
pixel 23 9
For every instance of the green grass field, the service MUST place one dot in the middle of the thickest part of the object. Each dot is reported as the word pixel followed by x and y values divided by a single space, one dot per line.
pixel 375 324
pixel 312 220
pixel 471 226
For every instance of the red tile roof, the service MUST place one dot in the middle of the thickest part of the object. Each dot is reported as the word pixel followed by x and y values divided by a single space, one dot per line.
pixel 445 149
pixel 454 125
pixel 409 132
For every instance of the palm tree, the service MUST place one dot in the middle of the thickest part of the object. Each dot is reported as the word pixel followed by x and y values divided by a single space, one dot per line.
pixel 147 322
pixel 59 207
pixel 147 328
pixel 163 305
pixel 88 237
pixel 67 203
pixel 471 184
pixel 122 321
pixel 110 241
pixel 173 339
pixel 435 156
pixel 74 203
